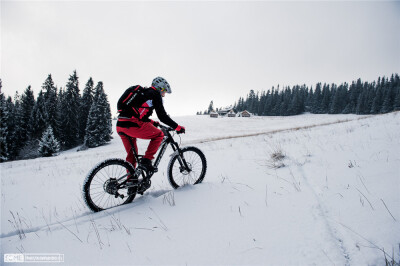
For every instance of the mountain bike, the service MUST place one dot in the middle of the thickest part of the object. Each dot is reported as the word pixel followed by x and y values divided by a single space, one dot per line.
pixel 107 184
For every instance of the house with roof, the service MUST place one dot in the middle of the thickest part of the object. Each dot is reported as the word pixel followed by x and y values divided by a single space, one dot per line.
pixel 213 114
pixel 224 111
pixel 244 113
pixel 231 113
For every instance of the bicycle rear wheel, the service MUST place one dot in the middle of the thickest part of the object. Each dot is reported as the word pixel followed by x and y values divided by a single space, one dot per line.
pixel 180 175
pixel 103 183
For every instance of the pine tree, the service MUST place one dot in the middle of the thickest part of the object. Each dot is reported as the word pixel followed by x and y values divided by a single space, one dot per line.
pixel 50 101
pixel 262 102
pixel 86 104
pixel 18 137
pixel 377 102
pixel 326 98
pixel 70 118
pixel 4 117
pixel 210 107
pixel 389 95
pixel 99 127
pixel 317 99
pixel 268 103
pixel 39 117
pixel 284 106
pixel 296 104
pixel 338 100
pixel 370 97
pixel 59 131
pixel 360 104
pixel 48 144
pixel 352 98
pixel 251 100
pixel 27 105
pixel 396 103
pixel 276 102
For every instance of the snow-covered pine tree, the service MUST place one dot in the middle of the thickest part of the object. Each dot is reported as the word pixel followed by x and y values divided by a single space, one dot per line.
pixel 284 104
pixel 268 102
pixel 326 99
pixel 316 107
pixel 335 107
pixel 27 105
pixel 99 127
pixel 86 104
pixel 10 138
pixel 389 96
pixel 295 106
pixel 39 117
pixel 48 144
pixel 59 132
pixel 50 101
pixel 17 134
pixel 276 102
pixel 261 104
pixel 70 109
pixel 396 104
pixel 377 101
pixel 251 99
pixel 28 144
pixel 210 107
pixel 4 116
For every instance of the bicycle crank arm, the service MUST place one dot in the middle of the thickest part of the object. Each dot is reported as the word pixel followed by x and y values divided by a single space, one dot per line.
pixel 119 195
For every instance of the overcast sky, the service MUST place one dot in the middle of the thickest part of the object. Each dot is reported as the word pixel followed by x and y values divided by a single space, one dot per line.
pixel 207 51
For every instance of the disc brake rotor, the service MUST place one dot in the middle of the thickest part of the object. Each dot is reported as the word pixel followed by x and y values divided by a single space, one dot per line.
pixel 186 171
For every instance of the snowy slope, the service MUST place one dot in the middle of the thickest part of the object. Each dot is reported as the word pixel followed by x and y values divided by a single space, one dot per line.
pixel 335 201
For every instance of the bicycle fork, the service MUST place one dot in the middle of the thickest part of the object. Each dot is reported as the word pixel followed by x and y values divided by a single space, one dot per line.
pixel 182 161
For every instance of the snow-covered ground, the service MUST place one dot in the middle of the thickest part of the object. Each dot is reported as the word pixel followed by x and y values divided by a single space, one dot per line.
pixel 334 201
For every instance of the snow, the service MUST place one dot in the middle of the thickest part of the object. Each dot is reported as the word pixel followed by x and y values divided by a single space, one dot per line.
pixel 335 201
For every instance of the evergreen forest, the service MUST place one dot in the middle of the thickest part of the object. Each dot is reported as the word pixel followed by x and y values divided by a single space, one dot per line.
pixel 377 97
pixel 56 120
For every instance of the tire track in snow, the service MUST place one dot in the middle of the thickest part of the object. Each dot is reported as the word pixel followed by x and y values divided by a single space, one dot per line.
pixel 272 131
pixel 322 210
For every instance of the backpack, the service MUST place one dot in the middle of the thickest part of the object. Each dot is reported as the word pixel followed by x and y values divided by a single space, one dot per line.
pixel 130 101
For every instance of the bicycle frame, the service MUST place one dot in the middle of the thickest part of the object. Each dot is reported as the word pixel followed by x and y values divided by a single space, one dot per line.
pixel 168 139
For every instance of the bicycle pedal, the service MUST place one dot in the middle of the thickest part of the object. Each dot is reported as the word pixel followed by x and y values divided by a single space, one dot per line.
pixel 119 196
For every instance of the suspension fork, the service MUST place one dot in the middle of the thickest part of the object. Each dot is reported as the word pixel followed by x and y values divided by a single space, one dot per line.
pixel 181 159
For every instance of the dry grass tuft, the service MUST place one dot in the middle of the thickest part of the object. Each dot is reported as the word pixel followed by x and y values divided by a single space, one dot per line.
pixel 276 158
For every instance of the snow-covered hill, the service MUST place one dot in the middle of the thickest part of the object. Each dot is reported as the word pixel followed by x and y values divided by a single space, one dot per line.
pixel 332 200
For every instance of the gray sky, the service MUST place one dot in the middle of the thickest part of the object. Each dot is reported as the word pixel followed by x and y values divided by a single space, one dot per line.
pixel 207 51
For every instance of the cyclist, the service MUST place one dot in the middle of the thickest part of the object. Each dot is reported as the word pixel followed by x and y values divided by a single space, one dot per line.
pixel 135 107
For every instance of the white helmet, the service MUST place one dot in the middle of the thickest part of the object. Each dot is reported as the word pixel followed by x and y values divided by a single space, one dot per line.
pixel 161 84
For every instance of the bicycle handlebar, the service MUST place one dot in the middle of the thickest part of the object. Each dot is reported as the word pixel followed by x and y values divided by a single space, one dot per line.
pixel 166 128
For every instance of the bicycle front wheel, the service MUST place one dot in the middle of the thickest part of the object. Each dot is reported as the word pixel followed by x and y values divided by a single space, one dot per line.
pixel 188 169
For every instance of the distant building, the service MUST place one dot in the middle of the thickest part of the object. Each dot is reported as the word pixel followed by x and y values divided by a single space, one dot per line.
pixel 245 113
pixel 231 113
pixel 224 111
pixel 214 114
